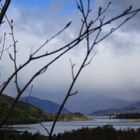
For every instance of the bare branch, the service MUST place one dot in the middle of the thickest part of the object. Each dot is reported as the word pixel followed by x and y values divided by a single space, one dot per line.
pixel 44 127
pixel 85 63
pixel 30 92
pixel 4 9
pixel 11 57
pixel 114 29
pixel 48 40
pixel 90 60
pixel 86 31
pixel 72 69
pixel 1 53
pixel 14 58
pixel 74 93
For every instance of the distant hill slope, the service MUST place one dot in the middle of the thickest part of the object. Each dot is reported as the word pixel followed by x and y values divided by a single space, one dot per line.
pixel 91 104
pixel 44 105
pixel 132 108
pixel 22 113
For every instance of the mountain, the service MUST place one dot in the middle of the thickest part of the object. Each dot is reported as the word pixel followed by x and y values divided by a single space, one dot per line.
pixel 44 105
pixel 91 104
pixel 22 112
pixel 132 108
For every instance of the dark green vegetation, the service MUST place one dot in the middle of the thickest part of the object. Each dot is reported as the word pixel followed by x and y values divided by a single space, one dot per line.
pixel 100 133
pixel 14 135
pixel 73 117
pixel 67 117
pixel 128 116
pixel 26 113
pixel 22 112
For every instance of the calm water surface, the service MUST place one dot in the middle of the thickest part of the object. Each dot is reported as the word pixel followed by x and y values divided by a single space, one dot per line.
pixel 73 125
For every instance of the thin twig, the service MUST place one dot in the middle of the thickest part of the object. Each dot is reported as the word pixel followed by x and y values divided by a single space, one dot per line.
pixel 3 46
pixel 48 40
pixel 72 68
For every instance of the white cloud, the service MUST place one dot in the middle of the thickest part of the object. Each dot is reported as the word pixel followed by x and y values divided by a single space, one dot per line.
pixel 110 69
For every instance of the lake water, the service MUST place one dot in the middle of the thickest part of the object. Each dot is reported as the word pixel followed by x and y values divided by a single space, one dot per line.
pixel 73 125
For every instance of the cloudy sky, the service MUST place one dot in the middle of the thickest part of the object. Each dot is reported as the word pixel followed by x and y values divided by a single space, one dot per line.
pixel 114 71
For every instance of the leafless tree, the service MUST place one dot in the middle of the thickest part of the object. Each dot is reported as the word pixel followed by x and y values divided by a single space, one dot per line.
pixel 91 31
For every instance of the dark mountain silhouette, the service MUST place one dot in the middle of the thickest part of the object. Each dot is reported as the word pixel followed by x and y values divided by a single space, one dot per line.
pixel 132 108
pixel 89 105
pixel 44 105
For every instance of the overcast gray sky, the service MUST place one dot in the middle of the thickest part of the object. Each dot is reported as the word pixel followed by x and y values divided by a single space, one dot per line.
pixel 115 70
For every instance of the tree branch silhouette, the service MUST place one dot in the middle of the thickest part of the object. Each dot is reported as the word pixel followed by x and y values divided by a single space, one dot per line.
pixel 4 9
pixel 91 31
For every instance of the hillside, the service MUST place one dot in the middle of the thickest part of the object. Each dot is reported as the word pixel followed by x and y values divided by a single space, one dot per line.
pixel 132 108
pixel 90 104
pixel 22 113
pixel 44 105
